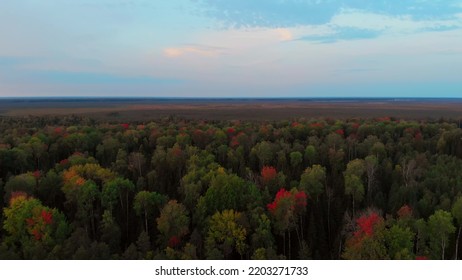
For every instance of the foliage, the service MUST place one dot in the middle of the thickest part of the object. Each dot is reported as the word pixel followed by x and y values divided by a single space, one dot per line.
pixel 175 188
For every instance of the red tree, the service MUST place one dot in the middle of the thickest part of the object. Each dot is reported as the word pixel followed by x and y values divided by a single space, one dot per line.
pixel 268 174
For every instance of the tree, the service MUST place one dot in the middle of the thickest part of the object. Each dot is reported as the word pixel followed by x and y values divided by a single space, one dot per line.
pixel 173 223
pixel 118 191
pixel 29 225
pixel 285 209
pixel 313 180
pixel 400 242
pixel 226 235
pixel 310 154
pixel 145 203
pixel 264 153
pixel 136 163
pixel 229 191
pixel 110 231
pixel 457 213
pixel 21 183
pixel 353 182
pixel 371 164
pixel 367 241
pixel 296 158
pixel 268 174
pixel 440 227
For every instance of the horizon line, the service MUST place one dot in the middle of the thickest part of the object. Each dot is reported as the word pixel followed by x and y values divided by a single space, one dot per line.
pixel 224 97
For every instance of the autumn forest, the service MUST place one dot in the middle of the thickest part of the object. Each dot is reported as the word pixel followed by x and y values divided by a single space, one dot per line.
pixel 174 188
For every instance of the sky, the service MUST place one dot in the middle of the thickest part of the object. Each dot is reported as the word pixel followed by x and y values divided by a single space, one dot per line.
pixel 231 48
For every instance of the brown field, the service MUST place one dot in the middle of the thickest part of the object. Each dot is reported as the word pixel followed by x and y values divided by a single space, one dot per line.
pixel 231 109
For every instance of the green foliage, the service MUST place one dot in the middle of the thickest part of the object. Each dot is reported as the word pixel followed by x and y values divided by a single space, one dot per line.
pixel 228 191
pixel 225 235
pixel 441 228
pixel 173 223
pixel 313 180
pixel 22 183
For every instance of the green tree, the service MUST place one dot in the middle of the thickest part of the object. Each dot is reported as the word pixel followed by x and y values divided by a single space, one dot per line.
pixel 173 223
pixel 118 192
pixel 353 181
pixel 226 235
pixel 310 154
pixel 21 183
pixel 229 191
pixel 313 180
pixel 110 232
pixel 400 242
pixel 457 214
pixel 440 227
pixel 145 204
pixel 371 165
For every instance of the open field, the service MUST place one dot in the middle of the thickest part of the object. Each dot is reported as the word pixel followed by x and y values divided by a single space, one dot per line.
pixel 229 109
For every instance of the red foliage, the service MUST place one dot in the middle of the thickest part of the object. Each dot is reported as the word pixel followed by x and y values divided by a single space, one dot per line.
pixel 234 142
pixel 316 125
pixel 405 211
pixel 281 194
pixel 295 124
pixel 355 126
pixel 230 131
pixel 422 258
pixel 125 125
pixel 211 132
pixel 37 234
pixel 199 137
pixel 384 119
pixel 64 161
pixel 300 199
pixel 47 217
pixel 366 224
pixel 37 174
pixel 30 222
pixel 268 173
pixel 58 130
pixel 80 181
pixel 418 136
pixel 173 242
pixel 340 132
pixel 409 130
pixel 177 152
pixel 263 130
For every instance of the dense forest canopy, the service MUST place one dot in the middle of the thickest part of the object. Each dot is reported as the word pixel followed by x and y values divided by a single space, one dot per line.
pixel 77 188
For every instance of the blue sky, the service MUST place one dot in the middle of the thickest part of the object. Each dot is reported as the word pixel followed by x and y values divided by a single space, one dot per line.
pixel 231 48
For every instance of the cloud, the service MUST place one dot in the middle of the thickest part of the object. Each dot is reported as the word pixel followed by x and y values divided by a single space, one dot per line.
pixel 334 20
pixel 284 34
pixel 351 24
pixel 290 13
pixel 340 34
pixel 361 19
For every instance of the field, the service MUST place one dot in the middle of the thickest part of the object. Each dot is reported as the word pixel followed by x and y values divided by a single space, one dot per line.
pixel 230 109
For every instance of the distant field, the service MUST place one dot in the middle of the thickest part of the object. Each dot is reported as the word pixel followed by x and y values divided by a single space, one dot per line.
pixel 229 109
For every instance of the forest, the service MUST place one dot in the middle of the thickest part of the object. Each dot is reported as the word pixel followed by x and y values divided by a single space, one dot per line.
pixel 355 188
